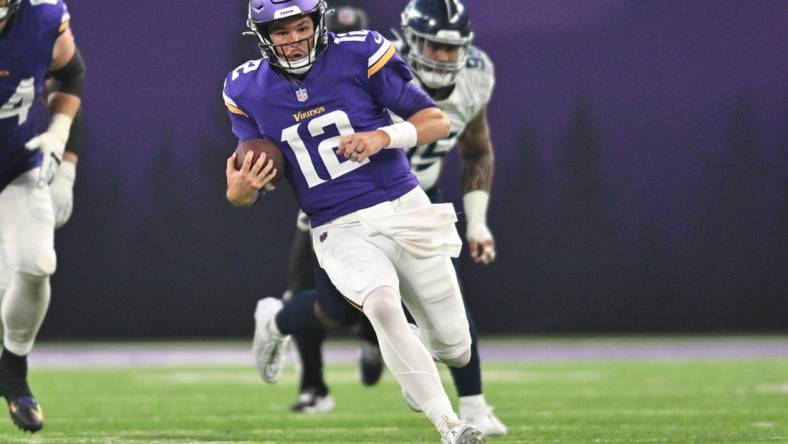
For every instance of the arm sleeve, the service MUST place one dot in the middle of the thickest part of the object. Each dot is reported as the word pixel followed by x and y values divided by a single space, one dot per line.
pixel 71 77
pixel 487 80
pixel 242 124
pixel 52 20
pixel 390 80
pixel 65 20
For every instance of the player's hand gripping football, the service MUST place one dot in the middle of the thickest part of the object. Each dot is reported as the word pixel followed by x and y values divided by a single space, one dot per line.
pixel 359 146
pixel 244 185
pixel 481 243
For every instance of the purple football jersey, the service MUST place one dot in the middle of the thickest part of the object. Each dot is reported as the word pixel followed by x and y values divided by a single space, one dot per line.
pixel 347 90
pixel 25 55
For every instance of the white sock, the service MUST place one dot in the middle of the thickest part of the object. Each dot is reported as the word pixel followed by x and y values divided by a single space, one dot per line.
pixel 474 402
pixel 405 356
pixel 23 309
pixel 438 408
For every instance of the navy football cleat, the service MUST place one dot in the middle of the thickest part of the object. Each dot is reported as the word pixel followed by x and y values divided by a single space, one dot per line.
pixel 26 414
pixel 23 408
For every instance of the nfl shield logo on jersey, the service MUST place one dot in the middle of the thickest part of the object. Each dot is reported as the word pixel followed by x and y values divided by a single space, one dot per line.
pixel 302 95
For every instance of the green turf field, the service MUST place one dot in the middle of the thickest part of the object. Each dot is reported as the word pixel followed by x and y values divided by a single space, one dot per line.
pixel 709 401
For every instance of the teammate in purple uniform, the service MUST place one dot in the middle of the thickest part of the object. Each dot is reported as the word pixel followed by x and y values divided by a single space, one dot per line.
pixel 323 99
pixel 35 39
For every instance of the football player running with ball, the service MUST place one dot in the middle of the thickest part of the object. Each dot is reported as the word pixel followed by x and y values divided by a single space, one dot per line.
pixel 324 99
pixel 436 44
pixel 35 39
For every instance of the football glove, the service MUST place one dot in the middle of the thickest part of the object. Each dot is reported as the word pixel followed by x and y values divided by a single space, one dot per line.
pixel 52 143
pixel 62 190
pixel 480 239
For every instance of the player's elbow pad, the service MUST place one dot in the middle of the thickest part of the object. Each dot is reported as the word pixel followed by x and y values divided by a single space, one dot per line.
pixel 71 77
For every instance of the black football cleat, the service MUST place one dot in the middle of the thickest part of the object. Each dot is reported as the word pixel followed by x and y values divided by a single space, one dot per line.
pixel 313 401
pixel 371 363
pixel 22 406
pixel 26 414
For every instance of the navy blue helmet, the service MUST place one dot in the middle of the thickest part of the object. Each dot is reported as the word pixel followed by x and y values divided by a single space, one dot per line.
pixel 437 24
pixel 9 9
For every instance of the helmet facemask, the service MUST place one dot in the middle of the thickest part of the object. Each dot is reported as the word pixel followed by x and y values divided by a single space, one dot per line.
pixel 432 73
pixel 316 43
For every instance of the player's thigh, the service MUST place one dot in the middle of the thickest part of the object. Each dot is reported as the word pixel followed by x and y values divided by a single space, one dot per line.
pixel 5 274
pixel 27 223
pixel 332 304
pixel 356 264
pixel 432 295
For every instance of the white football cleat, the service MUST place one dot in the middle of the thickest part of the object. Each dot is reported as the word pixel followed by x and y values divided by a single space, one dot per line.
pixel 269 345
pixel 454 432
pixel 484 419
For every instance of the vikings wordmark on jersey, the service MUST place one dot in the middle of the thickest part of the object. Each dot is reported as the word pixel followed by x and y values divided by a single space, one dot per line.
pixel 25 55
pixel 344 92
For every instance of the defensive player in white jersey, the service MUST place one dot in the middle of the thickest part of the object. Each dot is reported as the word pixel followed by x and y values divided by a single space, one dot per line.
pixel 35 40
pixel 436 44
pixel 322 99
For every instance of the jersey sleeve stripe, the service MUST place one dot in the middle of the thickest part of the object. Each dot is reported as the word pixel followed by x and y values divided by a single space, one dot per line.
pixel 380 53
pixel 382 62
pixel 235 110
pixel 63 27
pixel 231 105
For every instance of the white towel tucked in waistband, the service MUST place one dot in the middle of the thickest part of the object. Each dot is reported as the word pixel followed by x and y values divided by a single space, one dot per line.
pixel 423 232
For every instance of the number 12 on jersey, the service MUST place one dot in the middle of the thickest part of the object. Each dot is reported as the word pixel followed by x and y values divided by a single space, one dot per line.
pixel 326 148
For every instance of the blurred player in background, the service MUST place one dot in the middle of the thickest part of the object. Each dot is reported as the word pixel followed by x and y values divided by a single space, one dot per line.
pixel 436 44
pixel 35 39
pixel 323 99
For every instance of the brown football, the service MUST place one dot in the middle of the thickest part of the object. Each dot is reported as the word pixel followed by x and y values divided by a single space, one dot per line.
pixel 258 146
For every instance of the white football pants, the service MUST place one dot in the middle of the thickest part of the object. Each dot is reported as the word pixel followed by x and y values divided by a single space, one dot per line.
pixel 359 263
pixel 27 259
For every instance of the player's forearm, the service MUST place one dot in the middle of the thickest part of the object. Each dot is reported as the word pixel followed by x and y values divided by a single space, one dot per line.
pixel 65 104
pixel 477 172
pixel 431 125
